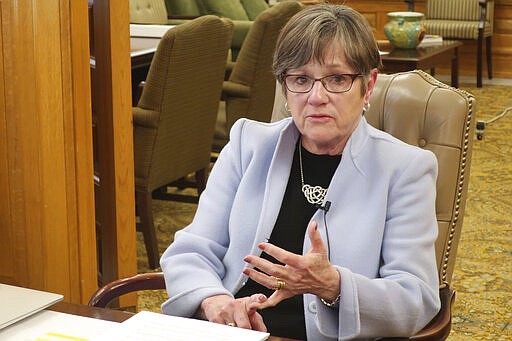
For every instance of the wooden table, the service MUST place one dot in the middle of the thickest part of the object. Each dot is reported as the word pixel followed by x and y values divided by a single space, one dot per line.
pixel 399 60
pixel 109 314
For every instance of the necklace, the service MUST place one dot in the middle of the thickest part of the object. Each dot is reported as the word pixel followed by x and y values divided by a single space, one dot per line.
pixel 314 194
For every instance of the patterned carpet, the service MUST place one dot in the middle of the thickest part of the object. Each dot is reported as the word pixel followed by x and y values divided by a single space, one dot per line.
pixel 483 272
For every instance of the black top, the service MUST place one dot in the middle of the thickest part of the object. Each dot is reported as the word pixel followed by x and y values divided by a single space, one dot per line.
pixel 287 318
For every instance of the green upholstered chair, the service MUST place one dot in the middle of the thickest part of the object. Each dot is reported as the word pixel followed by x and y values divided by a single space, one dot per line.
pixel 241 12
pixel 463 20
pixel 249 91
pixel 148 12
pixel 175 117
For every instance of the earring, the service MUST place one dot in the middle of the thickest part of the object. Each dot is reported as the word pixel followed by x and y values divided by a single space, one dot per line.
pixel 366 107
pixel 286 107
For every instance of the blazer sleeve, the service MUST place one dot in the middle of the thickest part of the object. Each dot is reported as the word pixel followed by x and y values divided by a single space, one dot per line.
pixel 193 264
pixel 404 297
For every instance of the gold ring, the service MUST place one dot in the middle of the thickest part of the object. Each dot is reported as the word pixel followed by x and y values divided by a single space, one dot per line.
pixel 231 324
pixel 280 284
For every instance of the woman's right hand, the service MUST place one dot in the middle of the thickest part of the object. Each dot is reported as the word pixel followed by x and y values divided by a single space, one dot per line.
pixel 239 312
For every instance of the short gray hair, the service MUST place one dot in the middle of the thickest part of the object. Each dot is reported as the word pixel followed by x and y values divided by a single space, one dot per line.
pixel 310 32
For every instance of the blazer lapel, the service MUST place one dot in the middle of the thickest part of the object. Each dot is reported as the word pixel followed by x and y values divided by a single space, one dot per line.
pixel 276 182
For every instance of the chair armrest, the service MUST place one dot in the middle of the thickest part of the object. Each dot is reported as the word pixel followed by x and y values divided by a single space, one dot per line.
pixel 230 65
pixel 232 89
pixel 147 281
pixel 145 118
pixel 439 328
pixel 138 91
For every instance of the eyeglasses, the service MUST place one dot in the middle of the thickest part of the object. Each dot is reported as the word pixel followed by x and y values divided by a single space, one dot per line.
pixel 333 83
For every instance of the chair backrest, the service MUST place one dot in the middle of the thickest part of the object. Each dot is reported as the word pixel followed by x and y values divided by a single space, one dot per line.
pixel 419 110
pixel 253 67
pixel 183 8
pixel 459 19
pixel 467 10
pixel 424 112
pixel 148 12
pixel 175 117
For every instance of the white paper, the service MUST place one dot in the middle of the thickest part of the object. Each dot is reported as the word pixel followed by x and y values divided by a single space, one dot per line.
pixel 149 326
pixel 51 325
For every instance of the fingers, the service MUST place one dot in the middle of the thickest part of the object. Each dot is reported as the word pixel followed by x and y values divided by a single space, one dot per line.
pixel 242 313
pixel 261 278
pixel 257 322
pixel 272 269
pixel 270 282
pixel 275 298
pixel 255 318
pixel 317 243
pixel 285 257
pixel 281 255
pixel 241 318
pixel 254 302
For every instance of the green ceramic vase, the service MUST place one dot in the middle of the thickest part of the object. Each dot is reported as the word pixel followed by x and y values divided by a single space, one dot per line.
pixel 405 30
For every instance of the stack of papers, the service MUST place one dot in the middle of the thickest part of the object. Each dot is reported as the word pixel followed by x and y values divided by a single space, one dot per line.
pixel 148 326
pixel 145 326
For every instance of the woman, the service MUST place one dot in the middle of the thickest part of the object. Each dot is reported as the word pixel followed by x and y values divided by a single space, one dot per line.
pixel 318 226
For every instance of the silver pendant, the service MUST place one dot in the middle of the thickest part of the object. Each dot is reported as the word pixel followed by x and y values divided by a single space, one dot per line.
pixel 314 194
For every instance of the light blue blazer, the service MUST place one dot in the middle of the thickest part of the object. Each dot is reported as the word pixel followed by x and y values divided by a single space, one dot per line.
pixel 382 228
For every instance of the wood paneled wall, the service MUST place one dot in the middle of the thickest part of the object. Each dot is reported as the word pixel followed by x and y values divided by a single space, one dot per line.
pixel 47 214
pixel 112 106
pixel 376 13
pixel 47 207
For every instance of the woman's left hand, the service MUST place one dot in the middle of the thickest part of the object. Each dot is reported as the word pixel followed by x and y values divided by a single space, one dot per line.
pixel 310 273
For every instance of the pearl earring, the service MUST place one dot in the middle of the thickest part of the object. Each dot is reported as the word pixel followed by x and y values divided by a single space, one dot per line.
pixel 366 107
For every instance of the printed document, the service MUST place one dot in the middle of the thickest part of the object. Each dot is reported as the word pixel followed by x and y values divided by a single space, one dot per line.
pixel 149 326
